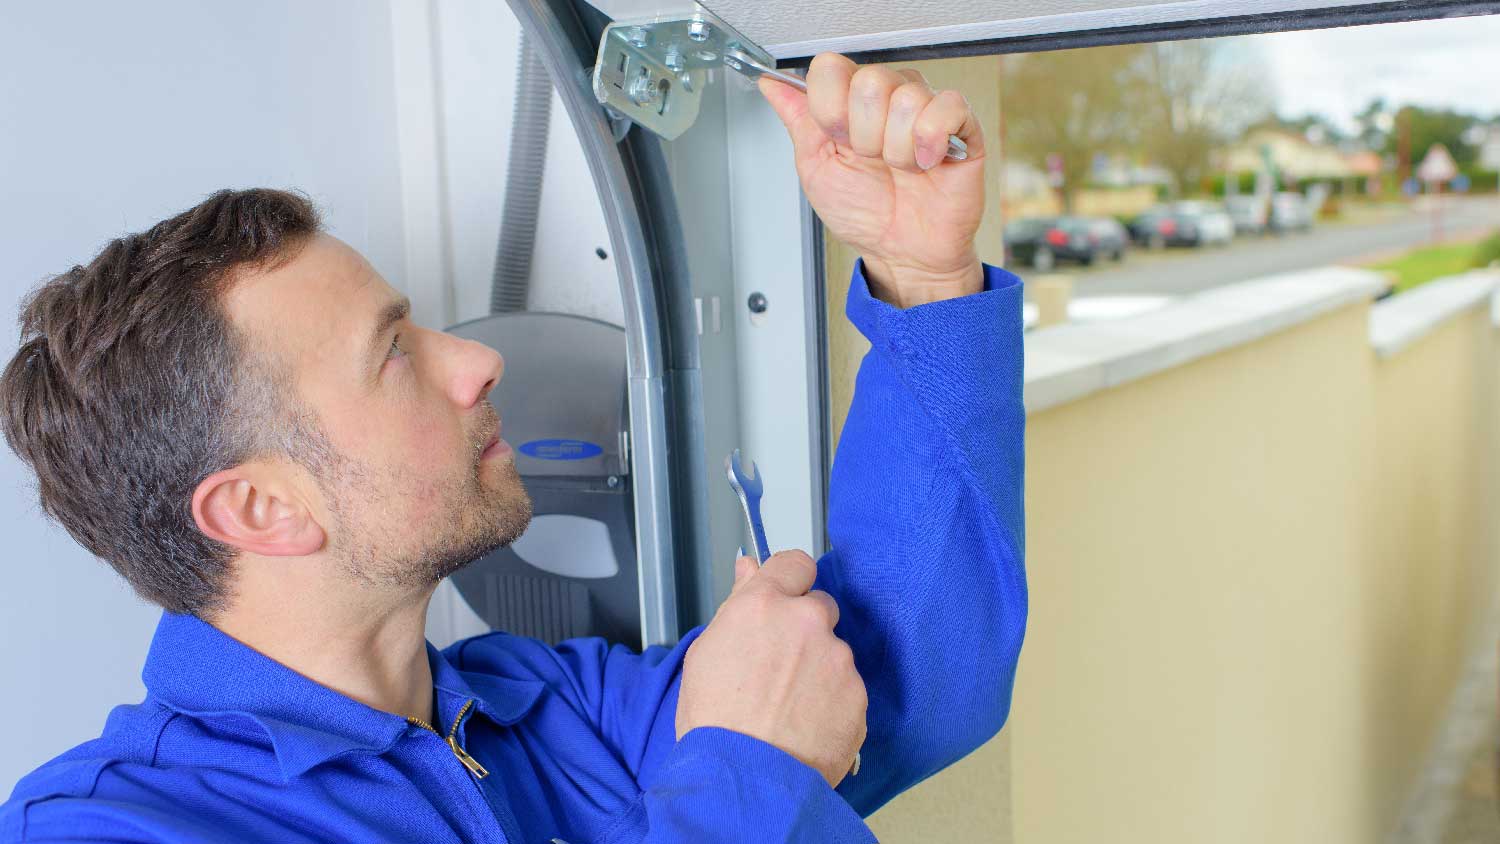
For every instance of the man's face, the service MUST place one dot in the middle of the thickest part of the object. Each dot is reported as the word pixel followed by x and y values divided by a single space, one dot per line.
pixel 414 481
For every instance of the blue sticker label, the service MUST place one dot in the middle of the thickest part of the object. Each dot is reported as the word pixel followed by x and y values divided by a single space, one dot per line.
pixel 561 449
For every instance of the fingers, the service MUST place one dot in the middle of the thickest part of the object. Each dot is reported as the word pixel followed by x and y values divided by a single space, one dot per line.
pixel 907 104
pixel 870 91
pixel 744 569
pixel 828 94
pixel 789 572
pixel 827 605
pixel 791 106
pixel 948 113
pixel 876 111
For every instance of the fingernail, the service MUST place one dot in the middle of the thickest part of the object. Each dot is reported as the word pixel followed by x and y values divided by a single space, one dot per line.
pixel 926 158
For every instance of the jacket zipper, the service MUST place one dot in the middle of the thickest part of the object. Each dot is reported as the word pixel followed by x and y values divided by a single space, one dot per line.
pixel 452 739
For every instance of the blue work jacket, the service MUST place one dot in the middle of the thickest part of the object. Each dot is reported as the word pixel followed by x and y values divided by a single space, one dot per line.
pixel 576 743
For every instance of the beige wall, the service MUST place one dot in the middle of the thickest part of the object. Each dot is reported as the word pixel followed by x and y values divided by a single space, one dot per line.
pixel 1436 504
pixel 1195 542
pixel 1253 580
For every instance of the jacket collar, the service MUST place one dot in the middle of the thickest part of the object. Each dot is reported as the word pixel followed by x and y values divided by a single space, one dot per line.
pixel 197 669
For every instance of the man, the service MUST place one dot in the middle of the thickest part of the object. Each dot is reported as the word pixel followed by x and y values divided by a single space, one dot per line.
pixel 235 411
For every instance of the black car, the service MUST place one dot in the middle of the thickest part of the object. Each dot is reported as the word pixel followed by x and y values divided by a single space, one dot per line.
pixel 1109 236
pixel 1043 242
pixel 1186 223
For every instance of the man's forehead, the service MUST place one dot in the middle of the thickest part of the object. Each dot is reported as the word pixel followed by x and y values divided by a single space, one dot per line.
pixel 326 294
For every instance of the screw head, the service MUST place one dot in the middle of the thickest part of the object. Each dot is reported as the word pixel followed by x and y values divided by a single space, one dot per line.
pixel 757 303
pixel 612 481
pixel 699 30
pixel 638 37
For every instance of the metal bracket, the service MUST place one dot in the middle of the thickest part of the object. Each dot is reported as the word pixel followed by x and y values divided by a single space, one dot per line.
pixel 653 71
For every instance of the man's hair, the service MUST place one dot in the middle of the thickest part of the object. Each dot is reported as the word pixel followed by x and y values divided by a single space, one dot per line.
pixel 132 385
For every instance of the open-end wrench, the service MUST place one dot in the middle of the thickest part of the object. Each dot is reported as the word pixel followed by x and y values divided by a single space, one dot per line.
pixel 749 488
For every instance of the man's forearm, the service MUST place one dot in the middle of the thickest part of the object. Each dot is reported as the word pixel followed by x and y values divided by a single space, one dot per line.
pixel 926 524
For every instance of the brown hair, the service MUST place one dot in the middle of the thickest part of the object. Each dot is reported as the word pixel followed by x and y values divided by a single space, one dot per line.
pixel 132 385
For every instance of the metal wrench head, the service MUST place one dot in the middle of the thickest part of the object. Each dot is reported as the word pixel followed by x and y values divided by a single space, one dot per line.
pixel 745 486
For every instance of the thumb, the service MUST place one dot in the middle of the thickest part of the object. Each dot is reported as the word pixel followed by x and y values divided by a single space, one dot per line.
pixel 744 569
pixel 790 106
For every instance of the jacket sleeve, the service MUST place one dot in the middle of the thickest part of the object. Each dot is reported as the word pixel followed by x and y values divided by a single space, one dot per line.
pixel 926 526
pixel 714 786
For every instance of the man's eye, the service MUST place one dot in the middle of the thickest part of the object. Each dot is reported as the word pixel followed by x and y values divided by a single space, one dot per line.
pixel 396 351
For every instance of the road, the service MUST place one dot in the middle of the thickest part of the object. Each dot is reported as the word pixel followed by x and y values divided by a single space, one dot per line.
pixel 1177 272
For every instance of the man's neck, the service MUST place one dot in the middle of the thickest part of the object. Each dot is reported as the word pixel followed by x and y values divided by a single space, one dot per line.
pixel 373 651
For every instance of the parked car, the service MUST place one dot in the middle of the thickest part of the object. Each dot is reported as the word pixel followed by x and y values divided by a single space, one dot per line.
pixel 1186 223
pixel 1249 213
pixel 1043 242
pixel 1290 213
pixel 1109 236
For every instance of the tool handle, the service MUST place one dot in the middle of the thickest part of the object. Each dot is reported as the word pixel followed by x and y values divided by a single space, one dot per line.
pixel 758 530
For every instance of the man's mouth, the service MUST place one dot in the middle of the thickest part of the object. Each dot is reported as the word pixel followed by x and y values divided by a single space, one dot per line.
pixel 495 447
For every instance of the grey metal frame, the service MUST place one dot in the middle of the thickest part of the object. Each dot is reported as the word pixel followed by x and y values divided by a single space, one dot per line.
pixel 662 367
pixel 1072 31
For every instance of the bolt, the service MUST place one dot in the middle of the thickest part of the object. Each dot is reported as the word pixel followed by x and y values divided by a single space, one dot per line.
pixel 674 61
pixel 699 30
pixel 757 303
pixel 638 37
pixel 643 90
pixel 612 481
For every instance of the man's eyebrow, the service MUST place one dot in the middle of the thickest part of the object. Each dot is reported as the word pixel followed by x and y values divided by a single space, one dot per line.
pixel 391 314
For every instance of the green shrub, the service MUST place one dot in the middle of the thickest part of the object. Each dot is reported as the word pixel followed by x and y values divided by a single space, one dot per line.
pixel 1487 251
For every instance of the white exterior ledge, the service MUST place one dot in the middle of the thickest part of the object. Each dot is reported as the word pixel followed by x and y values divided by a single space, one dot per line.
pixel 1067 362
pixel 1403 319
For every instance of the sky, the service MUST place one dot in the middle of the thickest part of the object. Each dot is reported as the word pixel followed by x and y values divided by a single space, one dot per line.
pixel 1452 63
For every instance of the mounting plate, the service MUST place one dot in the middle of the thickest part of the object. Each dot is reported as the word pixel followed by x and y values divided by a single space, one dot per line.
pixel 653 71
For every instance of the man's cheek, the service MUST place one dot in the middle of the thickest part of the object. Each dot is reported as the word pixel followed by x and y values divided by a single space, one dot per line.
pixel 433 447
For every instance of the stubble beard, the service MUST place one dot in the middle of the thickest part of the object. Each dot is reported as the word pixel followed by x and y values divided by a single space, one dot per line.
pixel 379 547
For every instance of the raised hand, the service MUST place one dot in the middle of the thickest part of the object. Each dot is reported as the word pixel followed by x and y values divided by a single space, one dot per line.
pixel 870 145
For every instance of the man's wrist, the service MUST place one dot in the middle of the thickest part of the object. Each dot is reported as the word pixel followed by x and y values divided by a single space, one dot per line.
pixel 906 286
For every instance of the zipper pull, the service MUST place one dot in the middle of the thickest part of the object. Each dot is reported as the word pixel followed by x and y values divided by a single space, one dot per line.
pixel 469 761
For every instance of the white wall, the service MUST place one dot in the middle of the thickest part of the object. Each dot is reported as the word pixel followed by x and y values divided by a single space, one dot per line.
pixel 116 115
pixel 476 44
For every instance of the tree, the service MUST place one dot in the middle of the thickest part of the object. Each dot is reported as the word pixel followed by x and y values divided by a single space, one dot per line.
pixel 1423 127
pixel 1071 103
pixel 1194 96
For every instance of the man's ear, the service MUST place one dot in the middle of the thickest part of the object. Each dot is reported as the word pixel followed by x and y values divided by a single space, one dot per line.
pixel 249 511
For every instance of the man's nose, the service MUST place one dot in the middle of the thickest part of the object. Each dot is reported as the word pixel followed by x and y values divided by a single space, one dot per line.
pixel 477 369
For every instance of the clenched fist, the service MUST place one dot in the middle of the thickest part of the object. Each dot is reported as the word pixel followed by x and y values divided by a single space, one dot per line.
pixel 870 144
pixel 769 666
